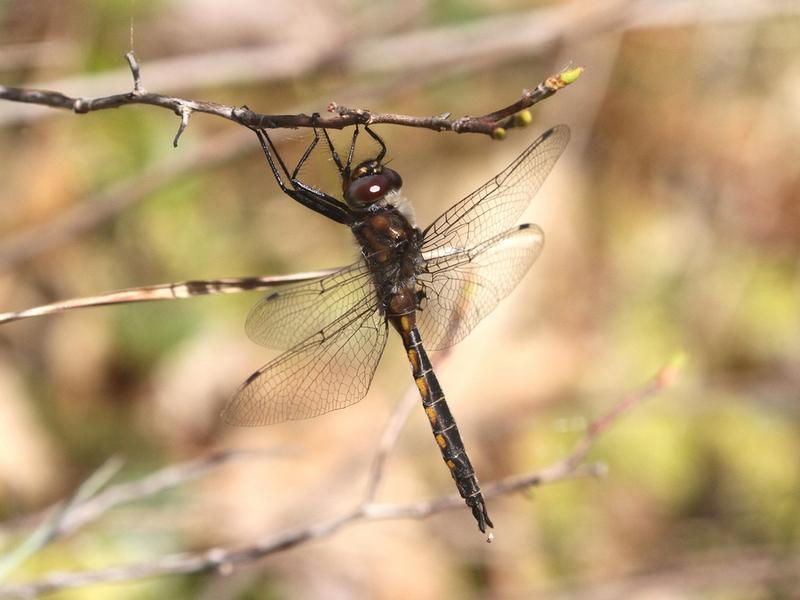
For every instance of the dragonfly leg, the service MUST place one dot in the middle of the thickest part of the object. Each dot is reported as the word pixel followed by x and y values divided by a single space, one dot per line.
pixel 312 198
pixel 378 139
pixel 308 151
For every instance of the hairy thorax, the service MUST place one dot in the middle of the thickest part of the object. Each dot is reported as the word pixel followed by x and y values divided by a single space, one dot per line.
pixel 390 244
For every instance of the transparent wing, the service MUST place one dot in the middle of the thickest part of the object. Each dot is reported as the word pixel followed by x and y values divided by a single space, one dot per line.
pixel 498 203
pixel 288 315
pixel 462 287
pixel 329 370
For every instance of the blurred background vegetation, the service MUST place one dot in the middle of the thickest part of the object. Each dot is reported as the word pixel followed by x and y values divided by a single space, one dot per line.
pixel 673 224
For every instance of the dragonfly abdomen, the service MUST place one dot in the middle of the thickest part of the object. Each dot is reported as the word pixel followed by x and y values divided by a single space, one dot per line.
pixel 443 424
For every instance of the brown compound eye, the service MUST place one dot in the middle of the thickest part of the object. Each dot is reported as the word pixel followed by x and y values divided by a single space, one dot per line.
pixel 365 190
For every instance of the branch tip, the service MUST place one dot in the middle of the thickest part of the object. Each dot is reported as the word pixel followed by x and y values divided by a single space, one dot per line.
pixel 666 377
pixel 138 89
pixel 185 112
pixel 570 75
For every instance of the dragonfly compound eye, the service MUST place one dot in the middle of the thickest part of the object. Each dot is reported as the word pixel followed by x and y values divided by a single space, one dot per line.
pixel 367 189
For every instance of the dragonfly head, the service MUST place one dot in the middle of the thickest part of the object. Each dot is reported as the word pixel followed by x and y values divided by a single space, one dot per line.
pixel 368 182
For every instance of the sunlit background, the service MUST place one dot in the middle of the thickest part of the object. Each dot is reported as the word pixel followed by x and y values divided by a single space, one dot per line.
pixel 673 225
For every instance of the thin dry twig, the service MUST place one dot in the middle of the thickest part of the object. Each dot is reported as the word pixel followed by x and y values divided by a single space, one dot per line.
pixel 391 433
pixel 49 530
pixel 224 560
pixel 93 499
pixel 166 291
pixel 494 123
pixel 163 479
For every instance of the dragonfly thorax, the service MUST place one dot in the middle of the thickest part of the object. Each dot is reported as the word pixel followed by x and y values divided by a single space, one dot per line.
pixel 390 246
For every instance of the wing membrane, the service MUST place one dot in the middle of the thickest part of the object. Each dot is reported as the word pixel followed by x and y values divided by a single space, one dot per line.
pixel 498 203
pixel 288 315
pixel 329 370
pixel 462 287
pixel 334 327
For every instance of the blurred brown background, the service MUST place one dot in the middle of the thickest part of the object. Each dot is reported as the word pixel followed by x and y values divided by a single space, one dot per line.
pixel 673 225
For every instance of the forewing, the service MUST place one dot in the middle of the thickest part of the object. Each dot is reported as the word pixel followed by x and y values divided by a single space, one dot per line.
pixel 462 287
pixel 498 203
pixel 288 315
pixel 327 371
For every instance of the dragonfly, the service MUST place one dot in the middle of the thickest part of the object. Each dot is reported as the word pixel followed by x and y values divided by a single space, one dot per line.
pixel 431 286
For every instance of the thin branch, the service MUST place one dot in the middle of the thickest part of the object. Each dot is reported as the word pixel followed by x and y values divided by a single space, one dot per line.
pixel 494 123
pixel 138 88
pixel 339 119
pixel 388 440
pixel 49 529
pixel 663 379
pixel 391 433
pixel 225 559
pixel 92 499
pixel 166 291
pixel 169 291
pixel 159 481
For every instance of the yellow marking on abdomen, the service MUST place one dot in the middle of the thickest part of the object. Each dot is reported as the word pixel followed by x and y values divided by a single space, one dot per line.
pixel 431 412
pixel 422 386
pixel 413 358
pixel 405 323
pixel 450 464
pixel 441 441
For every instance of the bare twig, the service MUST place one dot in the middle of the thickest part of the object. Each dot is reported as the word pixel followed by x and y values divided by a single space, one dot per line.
pixel 489 124
pixel 92 499
pixel 388 440
pixel 163 479
pixel 166 291
pixel 663 379
pixel 494 123
pixel 49 530
pixel 138 89
pixel 225 559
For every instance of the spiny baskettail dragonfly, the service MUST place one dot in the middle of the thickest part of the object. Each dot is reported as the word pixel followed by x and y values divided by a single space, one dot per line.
pixel 431 285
